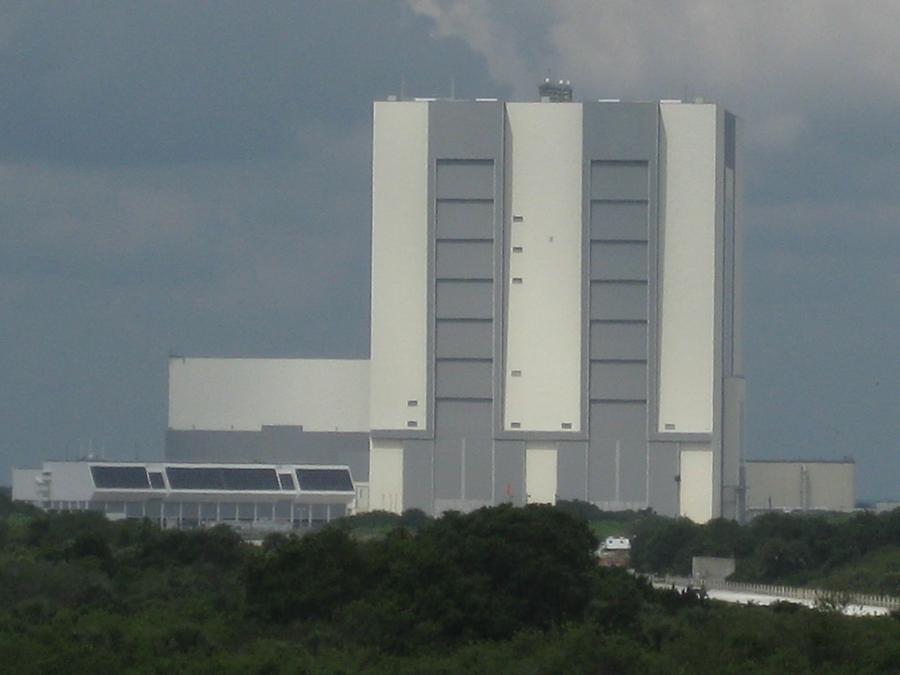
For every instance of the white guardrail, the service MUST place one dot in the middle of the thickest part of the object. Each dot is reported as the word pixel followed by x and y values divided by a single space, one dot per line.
pixel 813 595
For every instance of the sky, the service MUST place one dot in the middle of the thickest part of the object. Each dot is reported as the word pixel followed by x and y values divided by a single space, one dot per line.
pixel 193 178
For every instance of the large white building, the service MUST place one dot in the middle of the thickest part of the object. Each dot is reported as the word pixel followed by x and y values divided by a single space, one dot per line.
pixel 555 314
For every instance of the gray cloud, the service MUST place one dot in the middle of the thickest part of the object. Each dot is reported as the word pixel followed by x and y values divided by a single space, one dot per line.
pixel 190 177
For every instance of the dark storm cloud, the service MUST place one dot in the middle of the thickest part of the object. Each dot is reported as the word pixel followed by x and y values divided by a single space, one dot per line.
pixel 138 82
pixel 186 176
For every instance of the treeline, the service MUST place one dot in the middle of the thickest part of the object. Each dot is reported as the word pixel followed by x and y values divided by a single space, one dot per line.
pixel 503 590
pixel 858 552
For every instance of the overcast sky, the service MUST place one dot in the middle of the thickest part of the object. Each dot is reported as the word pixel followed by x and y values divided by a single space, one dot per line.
pixel 193 177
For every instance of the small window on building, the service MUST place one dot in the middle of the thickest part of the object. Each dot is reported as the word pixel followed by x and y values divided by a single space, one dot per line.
pixel 517 249
pixel 412 423
pixel 517 280
pixel 412 403
pixel 670 427
pixel 566 425
pixel 516 373
pixel 515 425
pixel 518 219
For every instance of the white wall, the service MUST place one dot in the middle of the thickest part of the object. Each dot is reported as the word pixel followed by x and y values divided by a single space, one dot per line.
pixel 540 473
pixel 399 265
pixel 798 485
pixel 245 394
pixel 24 485
pixel 386 476
pixel 543 313
pixel 696 487
pixel 70 481
pixel 687 222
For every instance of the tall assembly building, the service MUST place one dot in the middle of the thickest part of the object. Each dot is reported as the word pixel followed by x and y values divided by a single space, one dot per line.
pixel 555 315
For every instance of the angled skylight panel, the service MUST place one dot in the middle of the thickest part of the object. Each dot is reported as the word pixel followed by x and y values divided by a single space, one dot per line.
pixel 120 477
pixel 325 480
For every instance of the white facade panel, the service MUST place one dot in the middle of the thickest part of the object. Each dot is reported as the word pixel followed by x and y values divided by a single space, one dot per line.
pixel 540 473
pixel 399 265
pixel 246 394
pixel 69 481
pixel 26 485
pixel 696 497
pixel 800 485
pixel 386 476
pixel 687 226
pixel 543 312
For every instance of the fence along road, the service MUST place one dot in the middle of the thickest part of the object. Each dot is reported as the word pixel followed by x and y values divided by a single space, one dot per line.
pixel 853 604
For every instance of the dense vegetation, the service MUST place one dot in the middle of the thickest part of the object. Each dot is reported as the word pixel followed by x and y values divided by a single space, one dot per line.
pixel 858 552
pixel 500 590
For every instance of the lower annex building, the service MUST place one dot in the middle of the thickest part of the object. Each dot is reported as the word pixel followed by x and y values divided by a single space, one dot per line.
pixel 555 314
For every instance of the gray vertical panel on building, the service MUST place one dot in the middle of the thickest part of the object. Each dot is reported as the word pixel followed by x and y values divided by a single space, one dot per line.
pixel 623 423
pixel 463 379
pixel 620 131
pixel 464 300
pixel 619 220
pixel 619 380
pixel 509 472
pixel 464 339
pixel 464 260
pixel 466 141
pixel 418 456
pixel 618 301
pixel 458 418
pixel 620 152
pixel 614 340
pixel 571 467
pixel 619 179
pixel 465 129
pixel 465 219
pixel 465 179
pixel 620 260
pixel 663 497
pixel 448 468
pixel 478 470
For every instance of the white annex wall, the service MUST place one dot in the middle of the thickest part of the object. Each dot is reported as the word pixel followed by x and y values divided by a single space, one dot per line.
pixel 543 311
pixel 245 394
pixel 540 473
pixel 696 491
pixel 687 223
pixel 70 481
pixel 399 265
pixel 386 476
pixel 25 485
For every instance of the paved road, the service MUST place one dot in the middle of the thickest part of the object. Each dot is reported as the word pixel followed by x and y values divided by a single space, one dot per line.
pixel 765 599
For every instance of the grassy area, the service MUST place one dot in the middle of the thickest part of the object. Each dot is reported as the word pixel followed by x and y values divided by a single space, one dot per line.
pixel 610 528
pixel 876 572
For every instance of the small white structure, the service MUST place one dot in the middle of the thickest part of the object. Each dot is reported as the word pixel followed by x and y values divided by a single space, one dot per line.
pixel 614 552
pixel 616 544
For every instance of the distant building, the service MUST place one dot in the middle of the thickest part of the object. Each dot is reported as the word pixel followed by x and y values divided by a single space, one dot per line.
pixel 555 313
pixel 255 496
pixel 800 485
